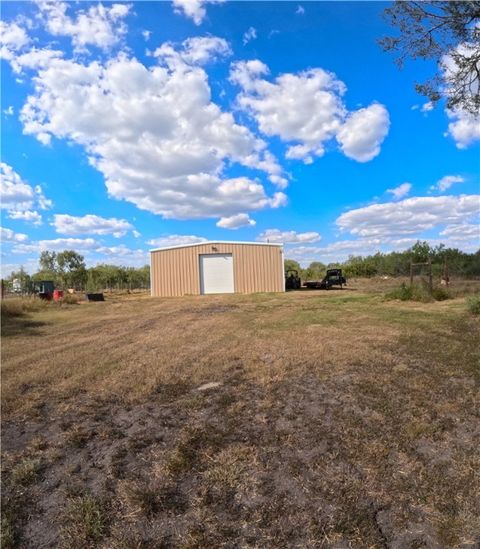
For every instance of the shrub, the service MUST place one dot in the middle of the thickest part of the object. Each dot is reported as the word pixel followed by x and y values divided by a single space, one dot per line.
pixel 403 293
pixel 408 293
pixel 417 293
pixel 473 304
pixel 19 306
pixel 70 299
pixel 440 294
pixel 11 308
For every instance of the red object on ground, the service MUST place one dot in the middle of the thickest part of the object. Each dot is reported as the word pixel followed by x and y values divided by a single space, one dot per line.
pixel 57 295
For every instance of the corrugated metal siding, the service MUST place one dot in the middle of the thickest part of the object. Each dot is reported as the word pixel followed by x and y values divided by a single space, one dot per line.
pixel 176 272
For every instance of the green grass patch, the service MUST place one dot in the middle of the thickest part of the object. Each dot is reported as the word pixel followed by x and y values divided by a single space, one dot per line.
pixel 410 318
pixel 85 522
pixel 26 471
pixel 7 533
pixel 473 305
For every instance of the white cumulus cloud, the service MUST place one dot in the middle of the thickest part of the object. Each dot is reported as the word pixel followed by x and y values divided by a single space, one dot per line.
pixel 446 182
pixel 57 244
pixel 122 251
pixel 276 236
pixel 427 107
pixel 90 224
pixel 7 235
pixel 154 133
pixel 16 48
pixel 249 34
pixel 118 255
pixel 194 9
pixel 336 251
pixel 13 38
pixel 197 50
pixel 99 25
pixel 409 216
pixel 307 110
pixel 15 193
pixel 464 127
pixel 34 58
pixel 400 191
pixel 19 198
pixel 235 221
pixel 176 240
pixel 463 231
pixel 29 216
pixel 363 132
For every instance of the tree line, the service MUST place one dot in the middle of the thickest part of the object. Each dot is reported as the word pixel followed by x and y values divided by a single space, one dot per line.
pixel 68 269
pixel 393 264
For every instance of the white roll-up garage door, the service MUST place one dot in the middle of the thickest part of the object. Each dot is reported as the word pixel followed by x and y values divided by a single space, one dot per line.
pixel 216 274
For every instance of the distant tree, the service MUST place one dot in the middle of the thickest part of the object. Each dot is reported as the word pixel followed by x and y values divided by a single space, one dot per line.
pixel 421 252
pixel 357 266
pixel 46 275
pixel 472 265
pixel 47 261
pixel 68 269
pixel 72 269
pixel 315 271
pixel 144 276
pixel 447 33
pixel 398 263
pixel 292 264
pixel 138 278
pixel 105 276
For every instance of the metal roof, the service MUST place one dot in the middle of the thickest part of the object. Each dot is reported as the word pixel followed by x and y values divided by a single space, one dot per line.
pixel 208 242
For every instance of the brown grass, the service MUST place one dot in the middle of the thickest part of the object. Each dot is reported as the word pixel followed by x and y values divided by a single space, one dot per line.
pixel 340 419
pixel 17 306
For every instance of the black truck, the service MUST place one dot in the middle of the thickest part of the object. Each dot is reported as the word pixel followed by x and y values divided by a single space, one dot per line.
pixel 334 277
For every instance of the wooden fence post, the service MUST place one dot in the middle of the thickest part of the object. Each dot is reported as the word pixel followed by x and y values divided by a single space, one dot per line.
pixel 430 279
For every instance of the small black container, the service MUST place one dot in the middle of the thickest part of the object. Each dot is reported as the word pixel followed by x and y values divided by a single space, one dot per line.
pixel 95 297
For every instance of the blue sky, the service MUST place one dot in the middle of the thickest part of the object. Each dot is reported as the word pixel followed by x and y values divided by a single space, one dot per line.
pixel 132 126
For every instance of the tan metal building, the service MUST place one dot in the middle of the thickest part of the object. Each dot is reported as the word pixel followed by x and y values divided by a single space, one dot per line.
pixel 217 268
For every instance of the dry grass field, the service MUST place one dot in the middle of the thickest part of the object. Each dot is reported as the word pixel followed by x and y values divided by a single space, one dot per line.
pixel 333 419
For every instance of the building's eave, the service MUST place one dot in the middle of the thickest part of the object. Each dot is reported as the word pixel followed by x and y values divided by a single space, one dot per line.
pixel 210 242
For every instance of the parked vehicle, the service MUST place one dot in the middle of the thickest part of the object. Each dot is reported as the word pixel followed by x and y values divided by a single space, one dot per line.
pixel 16 286
pixel 292 280
pixel 334 277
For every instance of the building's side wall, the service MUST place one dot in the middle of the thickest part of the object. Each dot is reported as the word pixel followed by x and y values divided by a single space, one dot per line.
pixel 176 272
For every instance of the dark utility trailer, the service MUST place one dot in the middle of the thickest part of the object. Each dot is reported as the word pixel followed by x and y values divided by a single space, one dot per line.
pixel 44 289
pixel 334 277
